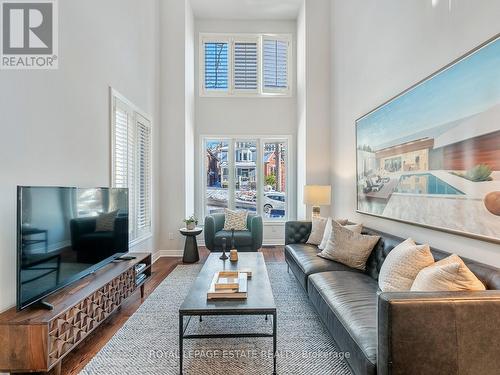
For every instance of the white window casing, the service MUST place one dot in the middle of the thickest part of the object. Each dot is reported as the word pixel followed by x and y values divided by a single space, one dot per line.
pixel 232 159
pixel 258 65
pixel 131 166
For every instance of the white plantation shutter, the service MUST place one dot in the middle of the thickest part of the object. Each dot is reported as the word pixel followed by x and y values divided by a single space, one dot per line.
pixel 144 174
pixel 216 66
pixel 275 64
pixel 245 66
pixel 242 64
pixel 132 164
pixel 120 145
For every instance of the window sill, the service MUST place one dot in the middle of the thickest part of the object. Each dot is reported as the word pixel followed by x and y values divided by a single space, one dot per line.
pixel 245 95
pixel 270 223
pixel 140 240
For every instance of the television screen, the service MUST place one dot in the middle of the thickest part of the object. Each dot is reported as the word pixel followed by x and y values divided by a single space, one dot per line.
pixel 65 233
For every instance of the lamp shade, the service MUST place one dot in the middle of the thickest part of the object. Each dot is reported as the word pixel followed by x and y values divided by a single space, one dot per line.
pixel 317 195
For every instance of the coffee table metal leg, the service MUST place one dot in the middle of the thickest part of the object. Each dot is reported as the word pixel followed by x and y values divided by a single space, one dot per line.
pixel 181 334
pixel 275 326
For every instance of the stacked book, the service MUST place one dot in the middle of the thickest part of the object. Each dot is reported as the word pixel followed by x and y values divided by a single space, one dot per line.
pixel 139 268
pixel 139 276
pixel 229 285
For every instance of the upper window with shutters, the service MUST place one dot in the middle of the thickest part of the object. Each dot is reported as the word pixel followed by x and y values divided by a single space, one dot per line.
pixel 245 65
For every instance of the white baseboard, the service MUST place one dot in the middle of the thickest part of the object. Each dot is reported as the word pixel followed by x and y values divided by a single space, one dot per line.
pixel 274 242
pixel 169 253
pixel 155 256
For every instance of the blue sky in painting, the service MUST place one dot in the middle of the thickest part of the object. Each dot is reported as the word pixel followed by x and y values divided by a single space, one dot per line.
pixel 471 86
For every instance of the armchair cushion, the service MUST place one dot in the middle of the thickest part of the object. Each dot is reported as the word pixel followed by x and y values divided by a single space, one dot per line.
pixel 241 238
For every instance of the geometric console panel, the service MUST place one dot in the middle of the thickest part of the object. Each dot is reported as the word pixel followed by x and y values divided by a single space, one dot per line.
pixel 68 329
pixel 34 339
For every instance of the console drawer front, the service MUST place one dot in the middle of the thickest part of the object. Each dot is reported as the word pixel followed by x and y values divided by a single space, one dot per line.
pixel 71 327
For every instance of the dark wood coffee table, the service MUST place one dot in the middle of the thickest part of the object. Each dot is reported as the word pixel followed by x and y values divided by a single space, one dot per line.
pixel 260 300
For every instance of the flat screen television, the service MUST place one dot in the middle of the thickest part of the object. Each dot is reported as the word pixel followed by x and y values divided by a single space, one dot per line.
pixel 64 234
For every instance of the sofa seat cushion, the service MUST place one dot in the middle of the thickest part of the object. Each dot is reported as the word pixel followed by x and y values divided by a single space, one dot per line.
pixel 241 237
pixel 347 303
pixel 306 256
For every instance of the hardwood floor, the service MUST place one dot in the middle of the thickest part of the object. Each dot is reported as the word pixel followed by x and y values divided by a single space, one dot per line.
pixel 76 360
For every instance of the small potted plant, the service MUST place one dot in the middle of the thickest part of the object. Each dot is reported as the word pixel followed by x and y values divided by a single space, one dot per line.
pixel 191 222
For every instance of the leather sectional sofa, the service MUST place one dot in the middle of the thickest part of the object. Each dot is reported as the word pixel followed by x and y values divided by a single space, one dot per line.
pixel 399 333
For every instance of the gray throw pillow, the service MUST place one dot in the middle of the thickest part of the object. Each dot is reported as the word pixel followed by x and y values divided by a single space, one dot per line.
pixel 105 222
pixel 317 230
pixel 348 247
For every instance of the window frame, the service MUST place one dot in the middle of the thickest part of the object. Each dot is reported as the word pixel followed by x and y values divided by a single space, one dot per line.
pixel 232 38
pixel 136 235
pixel 215 39
pixel 282 38
pixel 260 142
pixel 245 39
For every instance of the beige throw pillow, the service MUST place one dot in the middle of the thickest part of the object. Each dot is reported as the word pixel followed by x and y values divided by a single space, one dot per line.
pixel 317 230
pixel 449 274
pixel 236 220
pixel 402 265
pixel 348 247
pixel 105 222
pixel 356 228
pixel 328 231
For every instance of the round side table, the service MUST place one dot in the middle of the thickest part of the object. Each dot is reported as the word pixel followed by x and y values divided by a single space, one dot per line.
pixel 191 247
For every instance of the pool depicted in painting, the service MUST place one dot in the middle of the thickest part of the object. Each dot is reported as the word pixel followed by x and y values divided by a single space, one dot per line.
pixel 431 155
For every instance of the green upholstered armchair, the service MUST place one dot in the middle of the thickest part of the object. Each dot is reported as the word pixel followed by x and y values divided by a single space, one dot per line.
pixel 244 240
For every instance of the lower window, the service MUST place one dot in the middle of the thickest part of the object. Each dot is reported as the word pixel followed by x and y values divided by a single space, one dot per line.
pixel 131 163
pixel 246 174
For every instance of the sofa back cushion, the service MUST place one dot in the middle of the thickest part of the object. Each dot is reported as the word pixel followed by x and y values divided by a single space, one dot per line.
pixel 489 275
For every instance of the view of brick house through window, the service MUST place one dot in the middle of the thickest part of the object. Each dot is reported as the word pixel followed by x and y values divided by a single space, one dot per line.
pixel 246 175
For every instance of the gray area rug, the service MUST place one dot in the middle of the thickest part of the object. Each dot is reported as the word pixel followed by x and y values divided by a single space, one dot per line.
pixel 148 342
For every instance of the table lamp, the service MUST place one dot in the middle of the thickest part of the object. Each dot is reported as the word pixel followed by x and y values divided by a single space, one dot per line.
pixel 317 195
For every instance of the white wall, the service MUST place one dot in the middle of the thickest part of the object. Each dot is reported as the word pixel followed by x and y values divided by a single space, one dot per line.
pixel 380 48
pixel 301 111
pixel 244 115
pixel 55 124
pixel 176 156
pixel 190 111
pixel 313 93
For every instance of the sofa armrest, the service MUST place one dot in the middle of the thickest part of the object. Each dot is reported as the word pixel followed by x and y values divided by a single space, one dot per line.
pixel 209 231
pixel 257 230
pixel 297 231
pixel 439 333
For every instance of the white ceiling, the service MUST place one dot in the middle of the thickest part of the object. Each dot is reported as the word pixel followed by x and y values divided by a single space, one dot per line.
pixel 246 9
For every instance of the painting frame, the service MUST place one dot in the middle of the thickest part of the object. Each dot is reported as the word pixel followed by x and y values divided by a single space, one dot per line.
pixel 464 233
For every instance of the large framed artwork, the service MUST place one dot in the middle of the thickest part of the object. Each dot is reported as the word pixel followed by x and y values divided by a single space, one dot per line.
pixel 431 155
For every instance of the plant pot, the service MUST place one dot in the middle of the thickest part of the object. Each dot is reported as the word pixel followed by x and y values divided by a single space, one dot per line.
pixel 190 225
